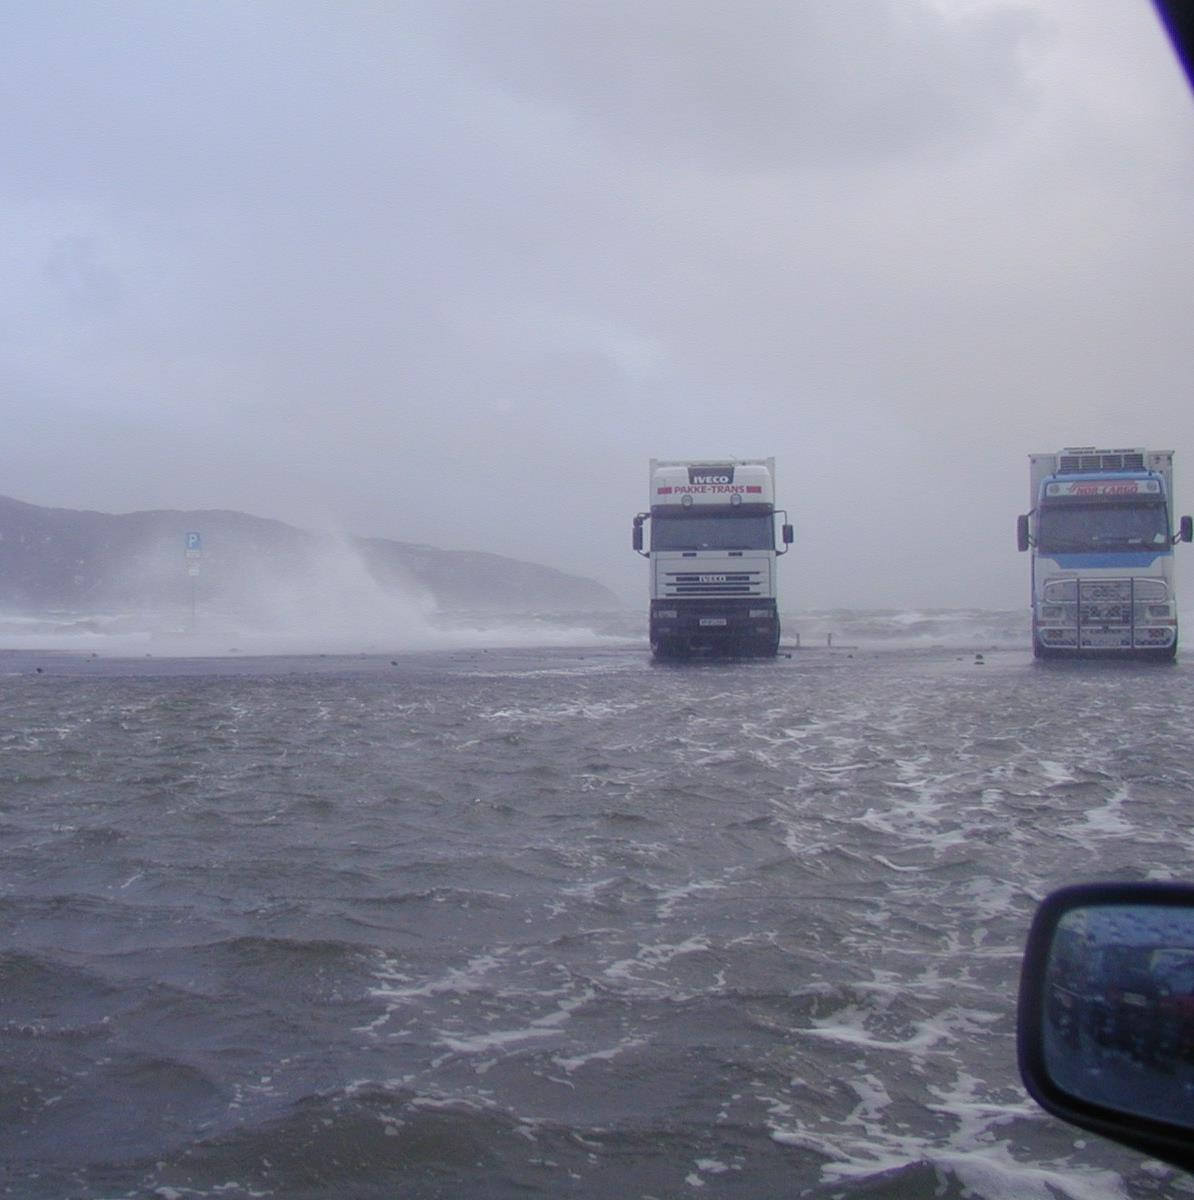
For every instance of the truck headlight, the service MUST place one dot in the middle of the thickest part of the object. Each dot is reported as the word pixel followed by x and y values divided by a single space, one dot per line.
pixel 1058 591
pixel 668 614
pixel 757 614
pixel 1150 590
pixel 1151 612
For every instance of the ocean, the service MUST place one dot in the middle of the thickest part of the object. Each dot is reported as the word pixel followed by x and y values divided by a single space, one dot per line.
pixel 516 912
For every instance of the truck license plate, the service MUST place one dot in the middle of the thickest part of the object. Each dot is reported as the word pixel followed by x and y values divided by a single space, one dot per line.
pixel 1105 639
pixel 713 621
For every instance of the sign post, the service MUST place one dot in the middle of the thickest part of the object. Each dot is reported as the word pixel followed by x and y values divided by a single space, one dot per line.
pixel 194 550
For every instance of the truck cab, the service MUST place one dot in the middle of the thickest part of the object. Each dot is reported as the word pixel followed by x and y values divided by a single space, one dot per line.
pixel 713 552
pixel 1102 540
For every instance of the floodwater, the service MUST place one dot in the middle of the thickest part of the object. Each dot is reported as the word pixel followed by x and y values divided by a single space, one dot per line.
pixel 552 922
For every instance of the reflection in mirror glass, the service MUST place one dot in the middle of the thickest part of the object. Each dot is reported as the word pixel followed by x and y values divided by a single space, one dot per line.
pixel 1119 1009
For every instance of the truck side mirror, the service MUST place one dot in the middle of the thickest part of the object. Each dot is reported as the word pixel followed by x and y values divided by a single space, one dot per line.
pixel 788 536
pixel 1022 533
pixel 637 538
pixel 1187 529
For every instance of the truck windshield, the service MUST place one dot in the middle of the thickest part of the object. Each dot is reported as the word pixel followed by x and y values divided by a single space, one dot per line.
pixel 728 532
pixel 1082 528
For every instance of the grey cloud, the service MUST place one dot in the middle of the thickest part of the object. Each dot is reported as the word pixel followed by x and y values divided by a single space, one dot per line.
pixel 760 86
pixel 86 285
pixel 453 272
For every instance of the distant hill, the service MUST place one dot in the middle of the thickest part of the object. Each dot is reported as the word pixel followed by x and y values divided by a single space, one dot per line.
pixel 62 559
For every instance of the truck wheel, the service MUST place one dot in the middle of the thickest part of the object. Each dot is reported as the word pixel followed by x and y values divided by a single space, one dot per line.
pixel 666 648
pixel 763 647
pixel 1155 654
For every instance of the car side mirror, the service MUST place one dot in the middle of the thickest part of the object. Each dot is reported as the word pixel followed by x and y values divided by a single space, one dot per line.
pixel 1106 1013
pixel 1022 533
pixel 788 535
pixel 1187 529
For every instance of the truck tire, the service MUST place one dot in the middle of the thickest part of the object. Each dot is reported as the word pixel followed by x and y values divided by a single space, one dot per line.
pixel 1039 649
pixel 666 648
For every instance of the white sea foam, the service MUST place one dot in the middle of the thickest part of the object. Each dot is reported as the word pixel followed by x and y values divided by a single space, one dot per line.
pixel 329 602
pixel 576 1062
pixel 568 710
pixel 866 1145
pixel 1107 820
pixel 334 605
pixel 959 629
pixel 548 1025
pixel 219 638
pixel 469 978
pixel 650 957
pixel 849 1027
pixel 671 898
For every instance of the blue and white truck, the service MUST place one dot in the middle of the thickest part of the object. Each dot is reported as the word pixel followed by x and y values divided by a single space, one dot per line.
pixel 713 556
pixel 1101 533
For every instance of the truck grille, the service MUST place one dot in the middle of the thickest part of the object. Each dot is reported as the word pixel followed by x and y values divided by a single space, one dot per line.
pixel 1105 601
pixel 1108 614
pixel 710 583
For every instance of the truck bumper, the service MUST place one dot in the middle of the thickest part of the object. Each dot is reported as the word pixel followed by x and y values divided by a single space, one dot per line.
pixel 1055 640
pixel 1104 615
pixel 738 627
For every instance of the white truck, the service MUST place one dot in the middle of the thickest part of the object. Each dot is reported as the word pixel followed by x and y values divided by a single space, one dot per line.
pixel 713 556
pixel 1101 534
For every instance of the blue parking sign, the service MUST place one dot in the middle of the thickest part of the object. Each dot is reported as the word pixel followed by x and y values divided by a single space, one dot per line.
pixel 194 541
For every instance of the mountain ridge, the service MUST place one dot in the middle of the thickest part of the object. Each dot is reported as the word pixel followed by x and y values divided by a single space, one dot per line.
pixel 75 559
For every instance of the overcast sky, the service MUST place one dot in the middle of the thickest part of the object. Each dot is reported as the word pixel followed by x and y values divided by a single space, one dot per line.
pixel 453 272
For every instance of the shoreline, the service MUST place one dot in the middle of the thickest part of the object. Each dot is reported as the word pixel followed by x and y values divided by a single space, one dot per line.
pixel 86 662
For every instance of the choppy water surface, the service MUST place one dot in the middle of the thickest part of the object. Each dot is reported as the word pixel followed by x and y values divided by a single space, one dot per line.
pixel 557 923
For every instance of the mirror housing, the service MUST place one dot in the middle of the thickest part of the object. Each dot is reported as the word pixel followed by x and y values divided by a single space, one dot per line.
pixel 1186 529
pixel 788 535
pixel 1022 542
pixel 1106 1013
pixel 636 537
